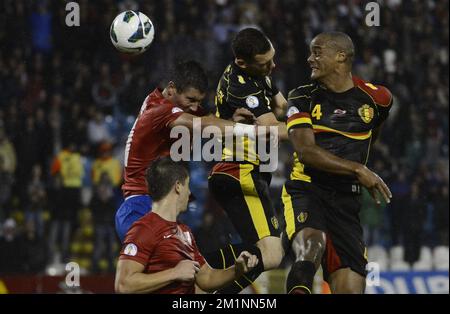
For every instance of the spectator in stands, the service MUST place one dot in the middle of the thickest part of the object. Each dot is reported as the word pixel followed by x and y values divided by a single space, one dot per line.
pixel 12 252
pixel 103 210
pixel 68 166
pixel 106 164
pixel 35 249
pixel 37 199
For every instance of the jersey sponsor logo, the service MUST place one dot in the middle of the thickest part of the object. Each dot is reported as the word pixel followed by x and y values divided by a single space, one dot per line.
pixel 366 113
pixel 252 102
pixel 292 111
pixel 130 250
pixel 176 109
pixel 241 79
pixel 302 217
pixel 340 112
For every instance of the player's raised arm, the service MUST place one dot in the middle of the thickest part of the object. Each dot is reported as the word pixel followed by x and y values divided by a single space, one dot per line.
pixel 239 129
pixel 279 105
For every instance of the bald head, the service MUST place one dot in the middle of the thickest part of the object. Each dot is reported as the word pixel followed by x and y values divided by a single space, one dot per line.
pixel 340 42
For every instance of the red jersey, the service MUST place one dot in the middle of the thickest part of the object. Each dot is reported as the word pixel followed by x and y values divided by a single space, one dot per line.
pixel 148 140
pixel 159 245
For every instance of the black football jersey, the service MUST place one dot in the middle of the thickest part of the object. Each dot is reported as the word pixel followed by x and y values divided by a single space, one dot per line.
pixel 236 89
pixel 342 123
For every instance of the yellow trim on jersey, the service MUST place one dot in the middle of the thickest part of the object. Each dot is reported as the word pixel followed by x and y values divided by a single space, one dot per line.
pixel 232 251
pixel 253 201
pixel 303 287
pixel 301 96
pixel 244 96
pixel 303 120
pixel 298 171
pixel 223 259
pixel 355 136
pixel 288 213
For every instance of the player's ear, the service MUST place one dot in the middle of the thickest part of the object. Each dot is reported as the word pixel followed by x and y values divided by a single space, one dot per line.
pixel 171 88
pixel 341 57
pixel 240 62
pixel 178 187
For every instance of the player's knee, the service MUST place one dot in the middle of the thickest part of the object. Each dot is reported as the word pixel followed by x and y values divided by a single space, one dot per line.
pixel 309 244
pixel 271 251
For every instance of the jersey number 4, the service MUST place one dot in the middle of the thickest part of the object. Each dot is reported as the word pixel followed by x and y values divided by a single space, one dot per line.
pixel 317 112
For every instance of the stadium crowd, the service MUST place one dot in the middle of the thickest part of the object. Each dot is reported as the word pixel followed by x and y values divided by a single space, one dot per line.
pixel 68 100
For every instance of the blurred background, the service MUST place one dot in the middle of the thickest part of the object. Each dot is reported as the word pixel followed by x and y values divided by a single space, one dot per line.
pixel 68 100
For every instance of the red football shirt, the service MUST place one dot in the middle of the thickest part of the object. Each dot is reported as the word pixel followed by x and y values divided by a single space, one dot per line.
pixel 148 139
pixel 159 245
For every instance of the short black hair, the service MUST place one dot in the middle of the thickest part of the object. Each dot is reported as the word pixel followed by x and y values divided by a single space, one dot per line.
pixel 248 43
pixel 162 175
pixel 189 74
pixel 340 42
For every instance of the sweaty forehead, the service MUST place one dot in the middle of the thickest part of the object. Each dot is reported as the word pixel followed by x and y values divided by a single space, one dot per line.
pixel 191 92
pixel 319 42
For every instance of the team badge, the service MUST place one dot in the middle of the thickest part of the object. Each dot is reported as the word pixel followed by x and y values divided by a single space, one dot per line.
pixel 274 222
pixel 291 111
pixel 130 250
pixel 366 113
pixel 302 217
pixel 252 102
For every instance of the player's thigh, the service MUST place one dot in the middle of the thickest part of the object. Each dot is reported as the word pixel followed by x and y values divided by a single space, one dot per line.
pixel 346 281
pixel 345 246
pixel 305 224
pixel 247 203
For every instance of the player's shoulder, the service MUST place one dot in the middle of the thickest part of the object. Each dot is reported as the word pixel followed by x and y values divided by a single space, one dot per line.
pixel 302 91
pixel 149 223
pixel 241 85
pixel 184 227
pixel 380 94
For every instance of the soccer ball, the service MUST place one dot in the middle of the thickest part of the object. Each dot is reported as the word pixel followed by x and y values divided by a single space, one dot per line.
pixel 132 32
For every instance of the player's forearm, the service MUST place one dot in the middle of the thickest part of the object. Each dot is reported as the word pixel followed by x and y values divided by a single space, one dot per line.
pixel 319 158
pixel 220 123
pixel 145 283
pixel 282 131
pixel 210 279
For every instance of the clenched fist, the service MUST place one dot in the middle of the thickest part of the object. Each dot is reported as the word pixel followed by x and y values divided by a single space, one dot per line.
pixel 186 270
pixel 245 263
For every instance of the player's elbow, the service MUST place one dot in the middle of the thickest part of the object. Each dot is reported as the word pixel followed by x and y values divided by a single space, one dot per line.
pixel 123 284
pixel 203 281
pixel 305 152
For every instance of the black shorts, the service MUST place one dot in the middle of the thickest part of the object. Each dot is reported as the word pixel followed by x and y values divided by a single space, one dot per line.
pixel 307 205
pixel 245 198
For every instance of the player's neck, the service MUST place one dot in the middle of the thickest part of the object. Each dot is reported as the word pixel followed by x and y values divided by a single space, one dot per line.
pixel 338 82
pixel 166 209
